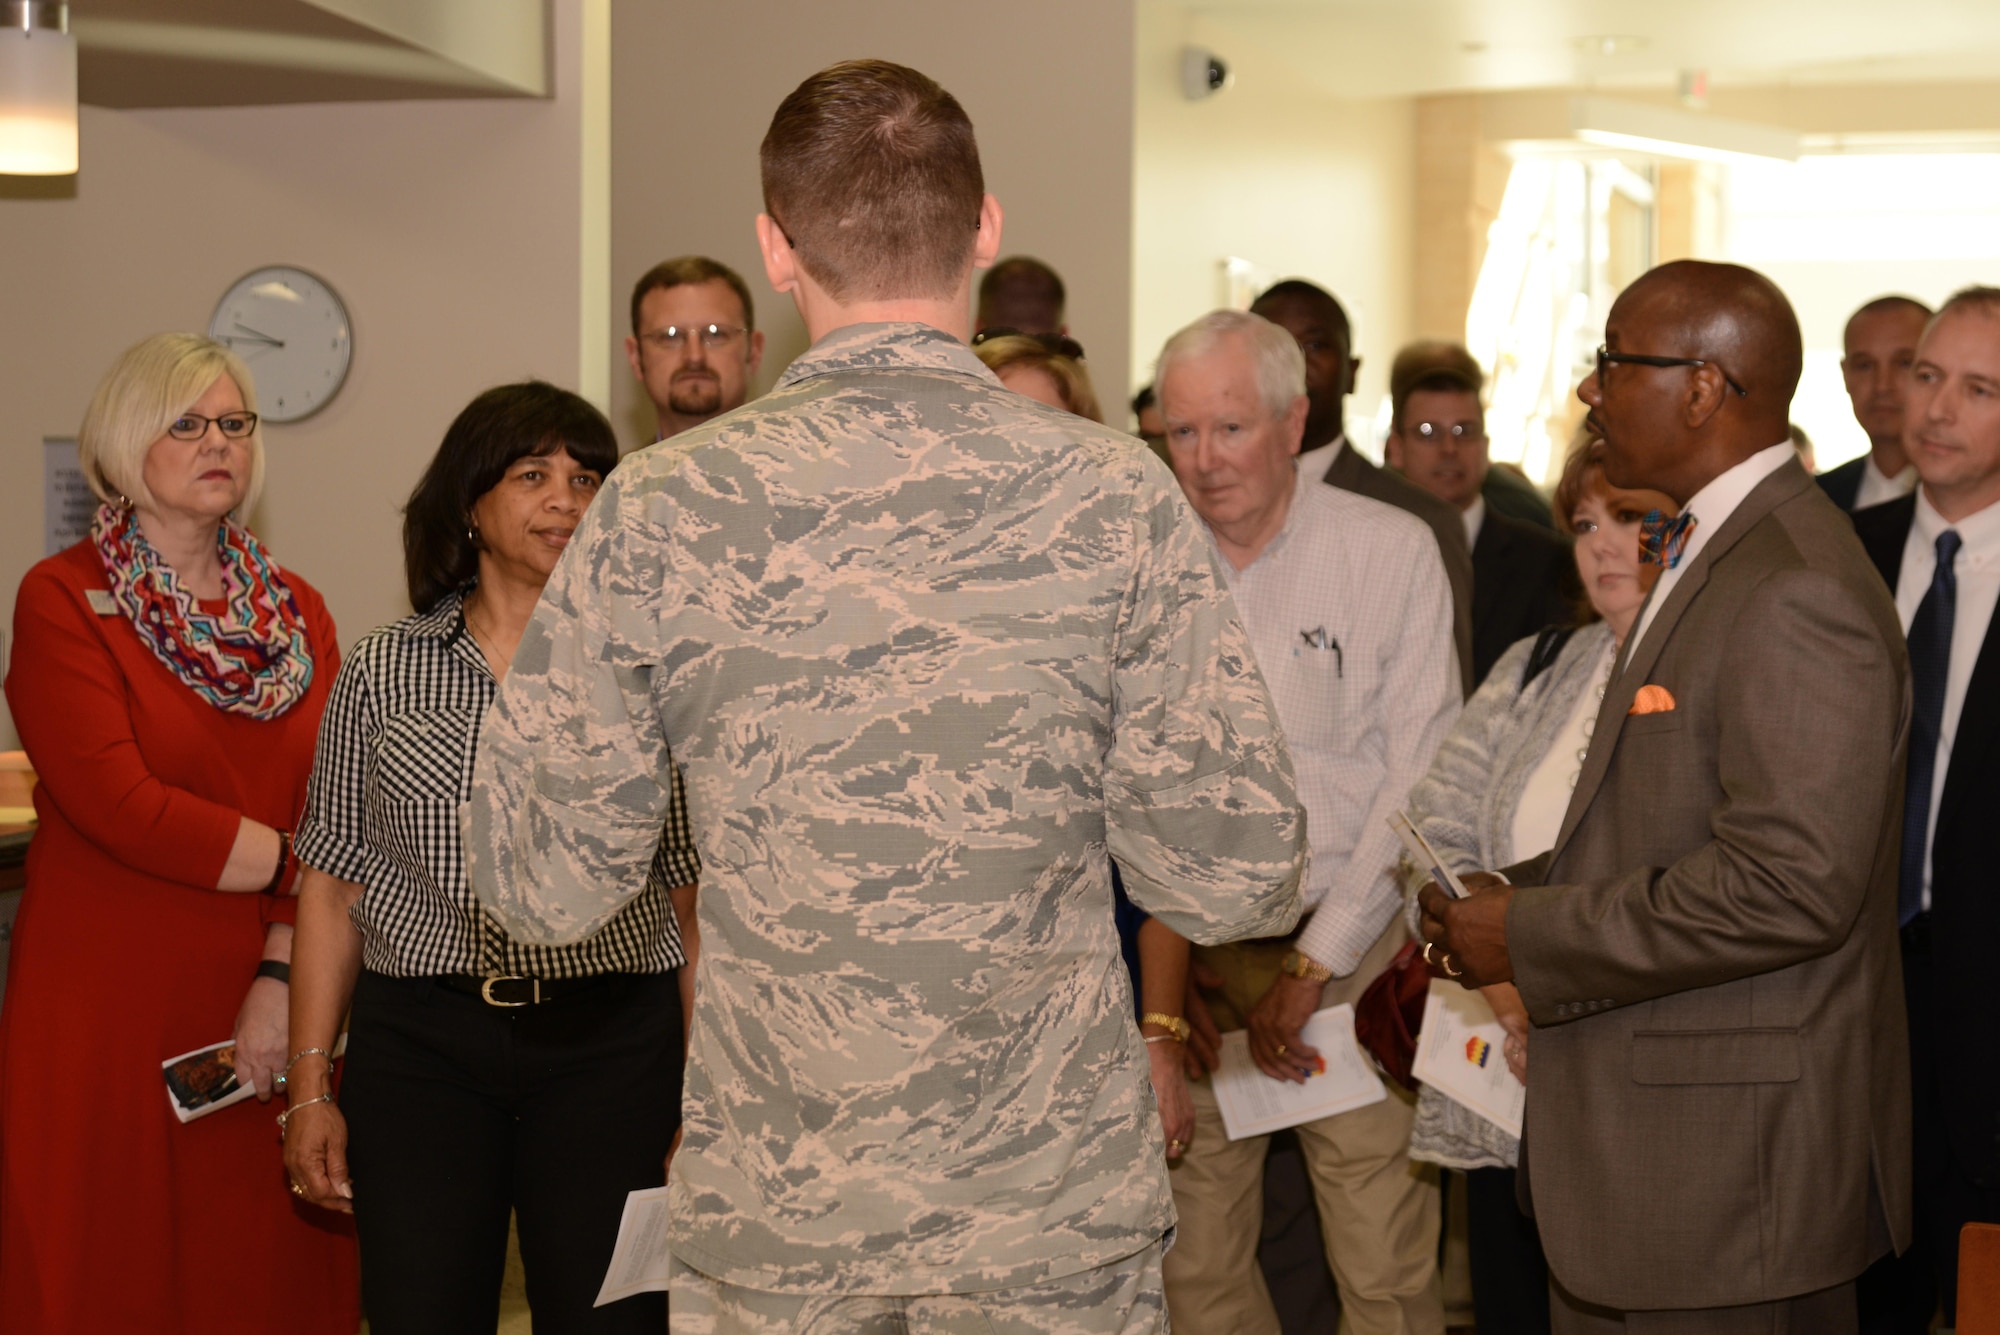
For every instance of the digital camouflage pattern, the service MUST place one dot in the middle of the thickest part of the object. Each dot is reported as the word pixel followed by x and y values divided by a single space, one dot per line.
pixel 926 651
pixel 1127 1297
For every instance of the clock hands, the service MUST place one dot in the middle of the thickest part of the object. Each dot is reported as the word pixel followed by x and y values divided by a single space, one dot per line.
pixel 254 337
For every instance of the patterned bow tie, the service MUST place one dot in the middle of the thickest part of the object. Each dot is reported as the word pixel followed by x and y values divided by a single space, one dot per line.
pixel 1662 540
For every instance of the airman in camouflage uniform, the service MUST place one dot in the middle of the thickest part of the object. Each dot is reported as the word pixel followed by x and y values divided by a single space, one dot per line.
pixel 929 654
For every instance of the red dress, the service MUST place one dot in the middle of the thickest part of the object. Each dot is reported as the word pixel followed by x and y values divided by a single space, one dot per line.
pixel 114 1216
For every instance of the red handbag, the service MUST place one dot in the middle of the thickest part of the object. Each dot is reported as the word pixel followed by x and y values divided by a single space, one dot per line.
pixel 1390 1013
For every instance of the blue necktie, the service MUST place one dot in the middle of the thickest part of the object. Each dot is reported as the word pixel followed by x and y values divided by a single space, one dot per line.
pixel 1930 665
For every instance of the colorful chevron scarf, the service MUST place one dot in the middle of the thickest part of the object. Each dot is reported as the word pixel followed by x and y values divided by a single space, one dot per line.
pixel 253 659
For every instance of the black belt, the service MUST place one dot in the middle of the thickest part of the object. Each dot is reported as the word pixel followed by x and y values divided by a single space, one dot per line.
pixel 512 990
pixel 1916 935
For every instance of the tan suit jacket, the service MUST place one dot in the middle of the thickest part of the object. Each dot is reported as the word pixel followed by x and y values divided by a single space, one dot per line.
pixel 1351 472
pixel 1717 1096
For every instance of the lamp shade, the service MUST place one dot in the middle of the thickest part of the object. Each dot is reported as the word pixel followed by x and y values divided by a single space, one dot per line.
pixel 37 89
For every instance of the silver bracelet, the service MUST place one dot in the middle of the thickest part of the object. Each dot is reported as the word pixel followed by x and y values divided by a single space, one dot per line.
pixel 300 1056
pixel 286 1115
pixel 1164 1038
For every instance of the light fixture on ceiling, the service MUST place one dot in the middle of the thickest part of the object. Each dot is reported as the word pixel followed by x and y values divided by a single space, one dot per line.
pixel 1668 132
pixel 37 89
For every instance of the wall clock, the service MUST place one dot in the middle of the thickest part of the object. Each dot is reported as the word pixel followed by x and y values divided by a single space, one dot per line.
pixel 291 330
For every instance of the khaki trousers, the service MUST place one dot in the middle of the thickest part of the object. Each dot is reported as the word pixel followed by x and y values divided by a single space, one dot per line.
pixel 1378 1211
pixel 1827 1312
pixel 1122 1298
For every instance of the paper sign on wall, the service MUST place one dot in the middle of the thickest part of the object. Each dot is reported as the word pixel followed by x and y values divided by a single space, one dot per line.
pixel 67 501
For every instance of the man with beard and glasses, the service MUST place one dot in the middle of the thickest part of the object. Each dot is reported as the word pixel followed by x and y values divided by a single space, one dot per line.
pixel 695 342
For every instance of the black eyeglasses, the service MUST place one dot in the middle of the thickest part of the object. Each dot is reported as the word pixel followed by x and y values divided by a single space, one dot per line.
pixel 1606 358
pixel 193 426
pixel 1060 344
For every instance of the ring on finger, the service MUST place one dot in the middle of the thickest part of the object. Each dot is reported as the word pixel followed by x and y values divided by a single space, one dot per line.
pixel 1281 1049
pixel 298 1190
pixel 1429 946
pixel 1451 970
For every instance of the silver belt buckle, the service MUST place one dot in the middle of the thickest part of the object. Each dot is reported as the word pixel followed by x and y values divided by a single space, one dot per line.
pixel 486 990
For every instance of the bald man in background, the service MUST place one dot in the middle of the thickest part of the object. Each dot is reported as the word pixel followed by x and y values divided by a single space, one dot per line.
pixel 1718 1120
pixel 1877 349
pixel 1310 314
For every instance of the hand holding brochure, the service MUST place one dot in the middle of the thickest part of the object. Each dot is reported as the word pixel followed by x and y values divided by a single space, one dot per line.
pixel 1253 1104
pixel 1460 1055
pixel 204 1081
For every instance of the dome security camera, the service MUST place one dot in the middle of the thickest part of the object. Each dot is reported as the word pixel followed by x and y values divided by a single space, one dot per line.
pixel 1203 73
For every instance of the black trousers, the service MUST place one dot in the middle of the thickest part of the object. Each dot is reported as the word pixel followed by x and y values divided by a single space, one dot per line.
pixel 1898 1294
pixel 459 1113
pixel 1510 1276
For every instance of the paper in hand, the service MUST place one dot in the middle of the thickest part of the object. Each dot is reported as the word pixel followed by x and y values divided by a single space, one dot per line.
pixel 1254 1104
pixel 639 1260
pixel 1460 1054
pixel 204 1081
pixel 1421 853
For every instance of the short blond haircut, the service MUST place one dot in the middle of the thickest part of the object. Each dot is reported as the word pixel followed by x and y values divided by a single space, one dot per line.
pixel 1079 396
pixel 1280 366
pixel 153 382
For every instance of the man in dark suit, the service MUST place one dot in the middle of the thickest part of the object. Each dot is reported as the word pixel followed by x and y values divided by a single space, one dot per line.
pixel 1312 316
pixel 1939 550
pixel 1523 577
pixel 1717 1132
pixel 1878 346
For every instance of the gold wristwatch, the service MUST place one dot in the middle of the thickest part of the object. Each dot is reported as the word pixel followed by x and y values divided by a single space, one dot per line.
pixel 1298 966
pixel 1173 1024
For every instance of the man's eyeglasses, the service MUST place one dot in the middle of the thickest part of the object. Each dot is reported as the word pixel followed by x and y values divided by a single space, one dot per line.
pixel 1060 344
pixel 1605 358
pixel 714 337
pixel 193 426
pixel 1467 431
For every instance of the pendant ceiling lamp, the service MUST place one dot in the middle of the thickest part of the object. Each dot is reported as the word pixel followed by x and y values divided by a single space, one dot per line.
pixel 37 89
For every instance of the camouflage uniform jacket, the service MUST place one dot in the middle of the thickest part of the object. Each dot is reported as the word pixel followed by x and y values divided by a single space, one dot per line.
pixel 926 651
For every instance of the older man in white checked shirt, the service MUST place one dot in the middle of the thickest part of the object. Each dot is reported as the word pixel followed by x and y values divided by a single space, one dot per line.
pixel 1350 615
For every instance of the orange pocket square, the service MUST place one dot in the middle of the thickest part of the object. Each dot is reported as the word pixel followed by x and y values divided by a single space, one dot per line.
pixel 1651 700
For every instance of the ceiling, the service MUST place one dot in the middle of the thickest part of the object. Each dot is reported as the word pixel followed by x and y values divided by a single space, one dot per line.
pixel 164 53
pixel 1381 48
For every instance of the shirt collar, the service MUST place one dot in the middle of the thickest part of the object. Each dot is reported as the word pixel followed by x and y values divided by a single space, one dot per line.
pixel 1980 531
pixel 1714 503
pixel 1872 473
pixel 886 347
pixel 444 621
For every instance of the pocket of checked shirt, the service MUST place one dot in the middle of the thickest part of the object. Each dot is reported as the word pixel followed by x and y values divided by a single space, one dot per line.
pixel 1716 1057
pixel 423 756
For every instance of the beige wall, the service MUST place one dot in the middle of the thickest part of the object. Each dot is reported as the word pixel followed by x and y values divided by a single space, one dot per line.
pixel 1297 183
pixel 451 229
pixel 1046 82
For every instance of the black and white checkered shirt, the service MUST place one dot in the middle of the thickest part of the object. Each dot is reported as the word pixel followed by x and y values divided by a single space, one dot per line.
pixel 393 764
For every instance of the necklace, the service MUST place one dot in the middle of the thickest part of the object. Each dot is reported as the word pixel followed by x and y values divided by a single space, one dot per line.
pixel 487 648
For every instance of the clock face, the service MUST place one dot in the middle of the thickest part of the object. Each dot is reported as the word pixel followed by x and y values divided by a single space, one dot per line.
pixel 292 332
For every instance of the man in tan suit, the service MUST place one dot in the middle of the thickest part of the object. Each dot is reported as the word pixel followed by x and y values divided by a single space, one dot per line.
pixel 1717 1135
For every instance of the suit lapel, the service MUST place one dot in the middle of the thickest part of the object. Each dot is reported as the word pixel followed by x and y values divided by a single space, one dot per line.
pixel 1639 660
pixel 1345 471
pixel 1978 724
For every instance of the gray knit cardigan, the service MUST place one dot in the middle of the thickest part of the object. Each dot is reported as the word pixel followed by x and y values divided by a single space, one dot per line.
pixel 1465 808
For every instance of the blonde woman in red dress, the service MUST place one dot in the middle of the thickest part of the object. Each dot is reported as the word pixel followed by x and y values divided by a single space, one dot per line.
pixel 167 680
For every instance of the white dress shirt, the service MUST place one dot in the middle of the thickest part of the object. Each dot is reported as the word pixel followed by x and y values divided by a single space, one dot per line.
pixel 1711 507
pixel 1473 517
pixel 1320 458
pixel 1538 816
pixel 1350 616
pixel 1877 487
pixel 1978 572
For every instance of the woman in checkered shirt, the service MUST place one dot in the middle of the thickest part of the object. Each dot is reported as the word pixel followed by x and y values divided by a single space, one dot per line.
pixel 484 1076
